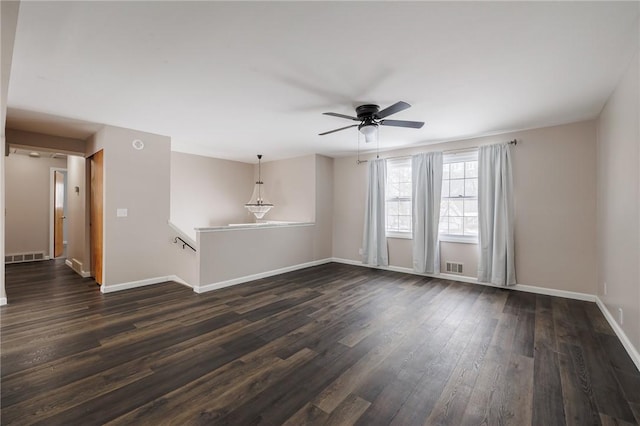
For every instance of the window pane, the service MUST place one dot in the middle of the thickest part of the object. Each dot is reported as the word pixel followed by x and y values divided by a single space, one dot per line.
pixel 444 208
pixel 455 225
pixel 471 207
pixel 393 174
pixel 393 190
pixel 405 223
pixel 471 169
pixel 405 175
pixel 445 188
pixel 455 208
pixel 470 226
pixel 471 187
pixel 404 208
pixel 392 208
pixel 405 189
pixel 456 188
pixel 392 223
pixel 457 170
pixel 443 228
pixel 445 171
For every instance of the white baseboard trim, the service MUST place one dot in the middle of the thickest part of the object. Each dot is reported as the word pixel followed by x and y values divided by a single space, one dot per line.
pixel 3 301
pixel 631 350
pixel 179 280
pixel 247 278
pixel 471 280
pixel 83 274
pixel 135 284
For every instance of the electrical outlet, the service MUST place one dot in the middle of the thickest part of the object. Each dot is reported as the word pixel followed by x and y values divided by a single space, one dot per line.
pixel 360 251
pixel 620 316
pixel 605 288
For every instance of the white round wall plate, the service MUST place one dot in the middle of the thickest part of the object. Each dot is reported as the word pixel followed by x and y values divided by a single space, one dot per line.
pixel 137 144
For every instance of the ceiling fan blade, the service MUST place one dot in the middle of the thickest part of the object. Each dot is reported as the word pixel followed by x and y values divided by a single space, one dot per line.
pixel 337 130
pixel 335 114
pixel 397 107
pixel 402 123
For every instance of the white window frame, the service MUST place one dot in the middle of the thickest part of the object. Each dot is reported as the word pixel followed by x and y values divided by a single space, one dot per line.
pixel 458 157
pixel 404 161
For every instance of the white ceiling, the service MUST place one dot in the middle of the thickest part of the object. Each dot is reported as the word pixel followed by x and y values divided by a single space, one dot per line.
pixel 232 79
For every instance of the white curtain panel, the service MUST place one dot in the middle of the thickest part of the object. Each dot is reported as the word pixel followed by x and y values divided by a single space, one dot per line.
pixel 374 241
pixel 426 181
pixel 495 215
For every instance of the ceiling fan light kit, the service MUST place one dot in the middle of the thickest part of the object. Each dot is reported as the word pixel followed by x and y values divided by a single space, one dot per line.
pixel 370 132
pixel 370 117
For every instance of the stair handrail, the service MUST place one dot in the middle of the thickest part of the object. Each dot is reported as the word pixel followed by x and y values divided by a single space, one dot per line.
pixel 178 240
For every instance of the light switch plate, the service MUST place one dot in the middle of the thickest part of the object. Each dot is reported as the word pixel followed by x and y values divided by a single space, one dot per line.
pixel 122 212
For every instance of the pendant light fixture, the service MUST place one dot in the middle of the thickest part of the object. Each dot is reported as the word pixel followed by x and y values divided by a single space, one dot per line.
pixel 258 204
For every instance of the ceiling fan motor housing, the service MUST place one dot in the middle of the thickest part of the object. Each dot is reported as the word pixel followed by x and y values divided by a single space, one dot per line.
pixel 367 111
pixel 366 114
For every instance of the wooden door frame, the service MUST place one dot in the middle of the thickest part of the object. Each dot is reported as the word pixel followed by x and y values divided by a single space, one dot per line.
pixel 52 213
pixel 89 204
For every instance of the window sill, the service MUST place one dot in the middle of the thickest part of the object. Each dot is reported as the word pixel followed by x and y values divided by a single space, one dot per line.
pixel 455 239
pixel 401 235
pixel 443 238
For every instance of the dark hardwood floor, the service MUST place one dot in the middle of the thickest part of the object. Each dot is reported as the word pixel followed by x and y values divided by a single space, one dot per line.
pixel 333 344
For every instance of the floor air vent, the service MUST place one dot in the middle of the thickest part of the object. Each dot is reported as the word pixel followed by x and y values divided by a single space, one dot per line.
pixel 454 267
pixel 24 257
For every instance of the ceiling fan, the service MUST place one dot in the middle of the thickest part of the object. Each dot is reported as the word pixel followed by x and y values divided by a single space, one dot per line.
pixel 370 117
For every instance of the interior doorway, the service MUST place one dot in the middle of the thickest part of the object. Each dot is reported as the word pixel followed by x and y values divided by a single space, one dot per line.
pixel 59 232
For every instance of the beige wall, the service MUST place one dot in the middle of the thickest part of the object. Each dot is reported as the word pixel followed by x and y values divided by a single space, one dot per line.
pixel 618 203
pixel 28 191
pixel 323 207
pixel 467 254
pixel 135 247
pixel 554 185
pixel 207 191
pixel 8 23
pixel 230 254
pixel 291 186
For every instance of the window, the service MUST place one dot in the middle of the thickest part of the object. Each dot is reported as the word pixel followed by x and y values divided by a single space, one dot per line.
pixel 459 205
pixel 398 202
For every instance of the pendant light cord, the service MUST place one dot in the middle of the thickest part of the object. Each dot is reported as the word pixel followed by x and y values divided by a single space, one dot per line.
pixel 259 200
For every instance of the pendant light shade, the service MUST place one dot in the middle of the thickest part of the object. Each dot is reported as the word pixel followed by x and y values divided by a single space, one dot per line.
pixel 258 204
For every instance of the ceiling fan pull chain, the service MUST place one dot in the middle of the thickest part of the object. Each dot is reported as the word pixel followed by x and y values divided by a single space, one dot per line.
pixel 358 156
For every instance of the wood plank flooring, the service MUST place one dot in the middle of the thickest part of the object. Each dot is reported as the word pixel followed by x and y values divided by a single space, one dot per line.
pixel 332 344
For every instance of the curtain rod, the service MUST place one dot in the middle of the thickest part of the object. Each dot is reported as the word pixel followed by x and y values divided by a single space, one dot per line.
pixel 450 151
